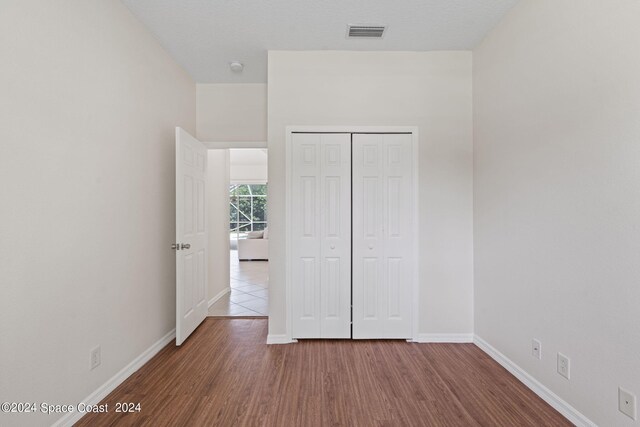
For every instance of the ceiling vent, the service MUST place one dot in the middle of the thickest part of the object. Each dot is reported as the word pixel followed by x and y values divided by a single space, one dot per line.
pixel 366 31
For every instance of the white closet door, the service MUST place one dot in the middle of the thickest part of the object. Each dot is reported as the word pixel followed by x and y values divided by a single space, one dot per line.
pixel 383 233
pixel 321 235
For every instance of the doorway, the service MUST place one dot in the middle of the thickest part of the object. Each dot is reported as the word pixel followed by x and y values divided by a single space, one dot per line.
pixel 247 236
pixel 202 244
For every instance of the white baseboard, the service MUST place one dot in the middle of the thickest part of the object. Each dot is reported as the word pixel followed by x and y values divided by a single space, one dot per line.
pixel 94 398
pixel 279 339
pixel 217 297
pixel 568 411
pixel 444 338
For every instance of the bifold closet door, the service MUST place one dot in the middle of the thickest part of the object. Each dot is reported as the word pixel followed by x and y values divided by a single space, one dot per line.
pixel 321 235
pixel 383 235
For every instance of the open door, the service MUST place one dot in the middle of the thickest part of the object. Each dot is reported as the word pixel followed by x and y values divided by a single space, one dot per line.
pixel 191 234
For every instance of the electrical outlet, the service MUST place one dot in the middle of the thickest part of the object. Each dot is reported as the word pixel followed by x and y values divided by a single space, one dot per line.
pixel 564 365
pixel 96 358
pixel 627 403
pixel 536 349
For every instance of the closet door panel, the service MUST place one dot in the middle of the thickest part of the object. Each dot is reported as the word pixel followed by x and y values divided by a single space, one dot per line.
pixel 382 235
pixel 399 234
pixel 321 230
pixel 305 226
pixel 335 245
pixel 367 229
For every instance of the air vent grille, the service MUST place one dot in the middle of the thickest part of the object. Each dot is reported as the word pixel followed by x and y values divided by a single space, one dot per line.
pixel 366 31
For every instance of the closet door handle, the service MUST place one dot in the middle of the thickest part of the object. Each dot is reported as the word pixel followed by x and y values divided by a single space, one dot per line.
pixel 185 246
pixel 333 246
pixel 370 247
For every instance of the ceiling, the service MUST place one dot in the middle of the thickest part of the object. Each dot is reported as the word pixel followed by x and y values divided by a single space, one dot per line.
pixel 205 35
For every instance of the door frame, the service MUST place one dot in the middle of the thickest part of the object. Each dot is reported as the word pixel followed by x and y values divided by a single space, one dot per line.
pixel 289 131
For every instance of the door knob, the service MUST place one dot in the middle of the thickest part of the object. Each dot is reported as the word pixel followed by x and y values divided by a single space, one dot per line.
pixel 333 246
pixel 175 246
pixel 185 246
pixel 370 246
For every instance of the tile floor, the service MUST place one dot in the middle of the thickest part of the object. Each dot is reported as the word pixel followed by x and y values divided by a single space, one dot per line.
pixel 249 294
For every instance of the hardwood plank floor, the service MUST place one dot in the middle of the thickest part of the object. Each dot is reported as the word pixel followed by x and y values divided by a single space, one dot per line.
pixel 225 375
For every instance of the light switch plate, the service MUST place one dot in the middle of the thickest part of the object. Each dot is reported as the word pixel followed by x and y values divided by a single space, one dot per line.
pixel 96 357
pixel 564 366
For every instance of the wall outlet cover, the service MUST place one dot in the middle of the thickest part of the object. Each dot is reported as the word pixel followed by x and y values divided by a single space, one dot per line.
pixel 627 403
pixel 536 349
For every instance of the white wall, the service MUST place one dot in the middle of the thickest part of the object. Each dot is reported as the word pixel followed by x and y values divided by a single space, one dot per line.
pixel 248 165
pixel 88 112
pixel 557 196
pixel 218 226
pixel 232 112
pixel 431 90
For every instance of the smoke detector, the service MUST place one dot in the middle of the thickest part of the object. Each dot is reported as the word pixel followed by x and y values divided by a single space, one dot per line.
pixel 367 31
pixel 236 66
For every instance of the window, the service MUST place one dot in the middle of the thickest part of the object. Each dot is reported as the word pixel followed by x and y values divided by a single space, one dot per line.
pixel 248 209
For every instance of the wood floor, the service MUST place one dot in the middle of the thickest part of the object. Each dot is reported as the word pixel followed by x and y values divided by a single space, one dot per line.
pixel 225 375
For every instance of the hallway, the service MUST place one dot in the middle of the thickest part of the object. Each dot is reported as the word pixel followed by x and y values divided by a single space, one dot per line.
pixel 249 294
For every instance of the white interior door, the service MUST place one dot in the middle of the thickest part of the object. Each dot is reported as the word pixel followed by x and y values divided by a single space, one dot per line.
pixel 191 234
pixel 383 233
pixel 321 235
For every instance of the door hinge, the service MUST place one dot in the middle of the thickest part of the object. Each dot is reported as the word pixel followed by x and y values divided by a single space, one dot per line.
pixel 179 246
